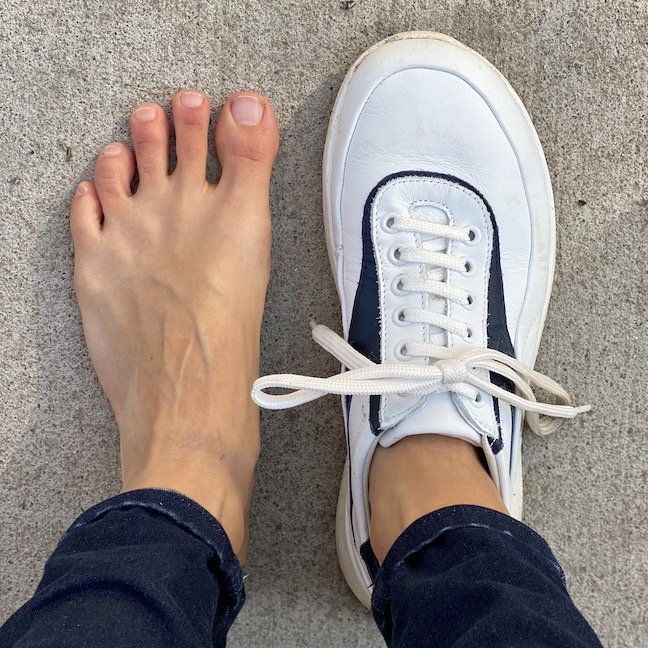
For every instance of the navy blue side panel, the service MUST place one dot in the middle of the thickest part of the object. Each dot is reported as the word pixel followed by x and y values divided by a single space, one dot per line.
pixel 364 329
pixel 347 405
pixel 514 414
pixel 496 326
pixel 369 557
pixel 496 443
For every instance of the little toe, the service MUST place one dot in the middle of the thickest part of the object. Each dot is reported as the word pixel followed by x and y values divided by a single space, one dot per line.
pixel 113 175
pixel 85 215
pixel 150 133
pixel 247 139
pixel 191 111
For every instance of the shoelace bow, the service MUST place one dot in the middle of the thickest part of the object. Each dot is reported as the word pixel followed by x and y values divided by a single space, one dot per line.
pixel 451 370
pixel 456 374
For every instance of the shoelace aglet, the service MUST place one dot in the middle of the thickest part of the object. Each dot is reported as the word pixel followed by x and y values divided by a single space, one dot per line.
pixel 312 323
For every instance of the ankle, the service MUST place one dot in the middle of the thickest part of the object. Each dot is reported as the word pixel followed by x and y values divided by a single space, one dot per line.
pixel 224 492
pixel 421 474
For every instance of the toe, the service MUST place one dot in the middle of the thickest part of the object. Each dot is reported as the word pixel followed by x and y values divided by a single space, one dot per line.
pixel 113 175
pixel 191 110
pixel 247 139
pixel 150 132
pixel 85 215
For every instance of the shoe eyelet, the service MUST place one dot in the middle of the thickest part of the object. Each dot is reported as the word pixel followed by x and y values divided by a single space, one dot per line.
pixel 396 286
pixel 474 236
pixel 398 317
pixel 470 335
pixel 400 352
pixel 394 254
pixel 468 268
pixel 387 222
pixel 479 400
pixel 472 303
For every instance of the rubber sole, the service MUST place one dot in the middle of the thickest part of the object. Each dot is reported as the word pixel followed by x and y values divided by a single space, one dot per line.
pixel 351 562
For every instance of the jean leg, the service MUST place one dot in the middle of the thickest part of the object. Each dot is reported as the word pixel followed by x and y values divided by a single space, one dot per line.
pixel 145 568
pixel 467 576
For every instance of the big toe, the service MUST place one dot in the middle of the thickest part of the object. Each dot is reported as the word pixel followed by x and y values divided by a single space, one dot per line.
pixel 247 139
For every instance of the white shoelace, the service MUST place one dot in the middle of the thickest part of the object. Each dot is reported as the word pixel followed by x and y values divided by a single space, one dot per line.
pixel 433 254
pixel 456 374
pixel 451 370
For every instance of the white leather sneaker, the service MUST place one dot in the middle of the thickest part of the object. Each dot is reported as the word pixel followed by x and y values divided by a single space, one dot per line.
pixel 440 229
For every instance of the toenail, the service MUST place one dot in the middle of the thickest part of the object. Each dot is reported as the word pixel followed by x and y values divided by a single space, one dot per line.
pixel 247 110
pixel 111 150
pixel 81 189
pixel 191 99
pixel 145 113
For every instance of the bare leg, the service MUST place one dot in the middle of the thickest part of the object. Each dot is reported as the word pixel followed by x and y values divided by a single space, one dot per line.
pixel 421 474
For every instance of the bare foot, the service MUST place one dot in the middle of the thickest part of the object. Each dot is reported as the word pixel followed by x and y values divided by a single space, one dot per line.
pixel 171 283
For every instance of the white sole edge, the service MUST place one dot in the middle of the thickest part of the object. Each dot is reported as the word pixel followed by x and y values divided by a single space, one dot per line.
pixel 351 562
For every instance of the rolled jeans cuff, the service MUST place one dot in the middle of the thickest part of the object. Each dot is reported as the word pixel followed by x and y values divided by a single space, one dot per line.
pixel 188 515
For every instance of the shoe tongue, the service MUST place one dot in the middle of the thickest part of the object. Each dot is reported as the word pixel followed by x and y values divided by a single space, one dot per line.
pixel 439 414
pixel 436 304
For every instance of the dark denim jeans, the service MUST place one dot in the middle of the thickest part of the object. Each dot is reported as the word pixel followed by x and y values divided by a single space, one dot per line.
pixel 152 568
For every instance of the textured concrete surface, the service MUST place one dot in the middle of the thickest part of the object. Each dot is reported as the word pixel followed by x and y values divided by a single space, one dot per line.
pixel 71 71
